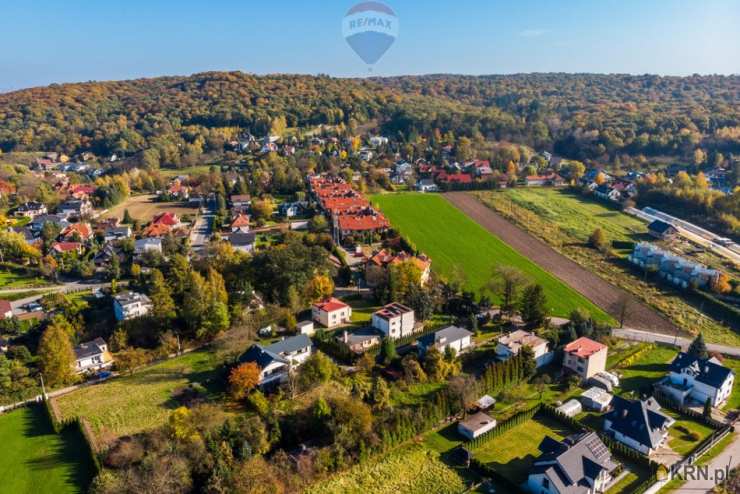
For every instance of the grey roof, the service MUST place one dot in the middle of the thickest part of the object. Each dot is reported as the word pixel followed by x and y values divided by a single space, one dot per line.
pixel 125 298
pixel 261 356
pixel 706 371
pixel 290 345
pixel 476 421
pixel 90 348
pixel 640 420
pixel 448 335
pixel 242 238
pixel 659 227
pixel 569 463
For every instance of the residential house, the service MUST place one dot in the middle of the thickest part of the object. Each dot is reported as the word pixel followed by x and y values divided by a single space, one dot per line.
pixel 6 309
pixel 475 425
pixel 360 340
pixel 104 257
pixel 37 223
pixel 693 379
pixel 331 312
pixel 394 321
pixel 385 258
pixel 579 464
pixel 66 247
pixel 290 209
pixel 426 185
pixel 240 201
pixel 662 230
pixel 675 269
pixel 639 424
pixel 117 233
pixel 243 242
pixel 92 356
pixel 607 193
pixel 511 344
pixel 168 219
pixel 129 305
pixel 453 337
pixel 585 357
pixel 81 191
pixel 156 230
pixel 480 168
pixel 75 208
pixel 240 223
pixel 144 245
pixel 30 210
pixel 77 232
pixel 543 180
pixel 276 361
pixel 595 398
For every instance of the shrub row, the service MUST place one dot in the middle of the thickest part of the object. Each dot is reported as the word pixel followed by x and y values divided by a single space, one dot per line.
pixel 504 426
pixel 80 425
pixel 630 358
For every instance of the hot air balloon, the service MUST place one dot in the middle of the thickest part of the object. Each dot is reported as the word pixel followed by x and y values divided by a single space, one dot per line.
pixel 370 28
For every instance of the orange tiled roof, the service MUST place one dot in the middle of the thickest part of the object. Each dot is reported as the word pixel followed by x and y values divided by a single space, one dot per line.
pixel 240 221
pixel 156 230
pixel 82 229
pixel 361 223
pixel 330 305
pixel 584 347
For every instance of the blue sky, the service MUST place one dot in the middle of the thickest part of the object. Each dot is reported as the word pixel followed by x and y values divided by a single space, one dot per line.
pixel 45 41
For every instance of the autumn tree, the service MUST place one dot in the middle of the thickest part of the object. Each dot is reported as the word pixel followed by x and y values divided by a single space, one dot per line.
pixel 721 284
pixel 163 307
pixel 402 276
pixel 243 379
pixel 598 240
pixel 56 357
pixel 319 287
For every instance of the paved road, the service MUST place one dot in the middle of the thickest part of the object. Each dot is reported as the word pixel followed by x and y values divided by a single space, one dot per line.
pixel 637 335
pixel 201 233
pixel 70 287
pixel 589 284
pixel 729 457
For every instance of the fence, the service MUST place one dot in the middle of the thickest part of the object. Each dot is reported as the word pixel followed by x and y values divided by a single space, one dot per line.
pixel 504 426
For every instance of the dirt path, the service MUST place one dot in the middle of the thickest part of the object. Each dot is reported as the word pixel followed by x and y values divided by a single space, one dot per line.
pixel 590 285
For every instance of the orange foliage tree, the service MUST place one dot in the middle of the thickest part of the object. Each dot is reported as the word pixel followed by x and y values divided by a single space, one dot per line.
pixel 243 379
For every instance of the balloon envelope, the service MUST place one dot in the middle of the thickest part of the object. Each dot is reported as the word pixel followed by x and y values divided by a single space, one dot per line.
pixel 370 28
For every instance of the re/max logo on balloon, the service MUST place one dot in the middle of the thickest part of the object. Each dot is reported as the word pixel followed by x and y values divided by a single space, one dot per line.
pixel 370 28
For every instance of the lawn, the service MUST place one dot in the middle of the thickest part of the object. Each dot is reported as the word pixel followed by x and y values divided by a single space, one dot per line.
pixel 12 279
pixel 678 439
pixel 456 242
pixel 131 404
pixel 411 469
pixel 734 401
pixel 191 170
pixel 362 309
pixel 36 460
pixel 572 214
pixel 647 369
pixel 144 208
pixel 565 220
pixel 512 453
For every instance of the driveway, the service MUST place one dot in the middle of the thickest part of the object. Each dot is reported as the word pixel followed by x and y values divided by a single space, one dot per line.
pixel 727 460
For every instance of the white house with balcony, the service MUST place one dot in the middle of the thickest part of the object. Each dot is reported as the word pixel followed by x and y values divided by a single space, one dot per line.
pixel 129 305
pixel 696 380
pixel 394 321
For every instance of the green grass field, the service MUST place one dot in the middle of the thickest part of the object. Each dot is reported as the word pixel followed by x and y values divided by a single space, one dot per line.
pixel 647 369
pixel 35 460
pixel 131 404
pixel 453 240
pixel 565 220
pixel 574 215
pixel 411 469
pixel 512 453
pixel 14 280
pixel 679 440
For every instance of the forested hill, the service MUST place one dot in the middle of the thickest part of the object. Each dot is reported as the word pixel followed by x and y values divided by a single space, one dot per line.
pixel 581 116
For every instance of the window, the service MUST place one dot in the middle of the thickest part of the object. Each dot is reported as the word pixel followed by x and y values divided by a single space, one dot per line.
pixel 546 483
